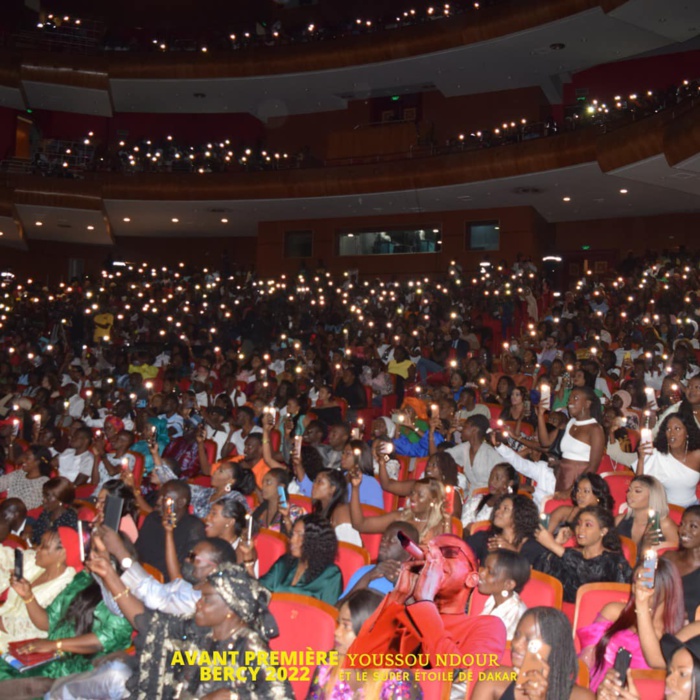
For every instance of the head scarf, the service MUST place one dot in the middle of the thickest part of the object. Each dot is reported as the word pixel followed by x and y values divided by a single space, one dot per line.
pixel 418 406
pixel 70 541
pixel 390 427
pixel 625 397
pixel 116 423
pixel 246 597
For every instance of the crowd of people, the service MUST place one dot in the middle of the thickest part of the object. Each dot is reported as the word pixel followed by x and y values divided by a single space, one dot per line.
pixel 475 434
pixel 165 154
pixel 271 29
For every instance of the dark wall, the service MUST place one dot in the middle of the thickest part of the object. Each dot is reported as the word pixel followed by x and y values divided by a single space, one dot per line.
pixel 49 261
pixel 521 231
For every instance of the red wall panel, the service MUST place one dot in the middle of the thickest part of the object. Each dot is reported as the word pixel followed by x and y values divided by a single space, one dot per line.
pixel 642 74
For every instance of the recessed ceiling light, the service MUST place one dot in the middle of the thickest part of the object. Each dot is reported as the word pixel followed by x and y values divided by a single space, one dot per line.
pixel 39 223
pixel 224 221
pixel 2 233
pixel 175 221
pixel 90 228
pixel 127 219
pixel 623 191
pixel 566 199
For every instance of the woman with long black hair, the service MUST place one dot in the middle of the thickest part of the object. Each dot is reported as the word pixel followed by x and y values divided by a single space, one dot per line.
pixel 597 556
pixel 557 678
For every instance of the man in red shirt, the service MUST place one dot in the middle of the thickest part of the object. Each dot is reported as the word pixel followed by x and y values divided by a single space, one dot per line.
pixel 425 615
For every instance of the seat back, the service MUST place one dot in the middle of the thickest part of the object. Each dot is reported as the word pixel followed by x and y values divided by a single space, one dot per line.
pixel 650 683
pixel 303 623
pixel 201 480
pixel 543 589
pixel 210 448
pixel 591 598
pixel 389 404
pixel 14 542
pixel 550 504
pixel 351 558
pixel 301 501
pixel 86 511
pixel 479 525
pixel 85 491
pixel 139 464
pixel 675 513
pixel 629 549
pixel 371 542
pixel 584 675
pixel 270 545
pixel 618 484
pixel 156 573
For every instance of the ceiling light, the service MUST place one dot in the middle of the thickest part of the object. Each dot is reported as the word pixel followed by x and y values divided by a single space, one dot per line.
pixel 224 221
pixel 90 228
pixel 566 199
pixel 39 223
pixel 2 233
pixel 175 221
pixel 126 219
pixel 623 191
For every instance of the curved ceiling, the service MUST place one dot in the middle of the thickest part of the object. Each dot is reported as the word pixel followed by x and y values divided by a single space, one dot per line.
pixel 457 57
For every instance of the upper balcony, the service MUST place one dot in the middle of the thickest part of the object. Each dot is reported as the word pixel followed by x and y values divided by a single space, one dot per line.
pixel 646 167
pixel 504 46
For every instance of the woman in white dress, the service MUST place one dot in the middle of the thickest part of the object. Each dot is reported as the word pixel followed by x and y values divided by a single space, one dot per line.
pixel 48 571
pixel 674 459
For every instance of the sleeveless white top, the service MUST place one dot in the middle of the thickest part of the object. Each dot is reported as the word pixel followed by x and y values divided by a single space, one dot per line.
pixel 574 449
pixel 678 480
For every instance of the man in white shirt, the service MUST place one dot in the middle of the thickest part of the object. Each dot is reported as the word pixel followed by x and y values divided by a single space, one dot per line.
pixel 216 429
pixel 75 463
pixel 478 469
pixel 176 423
pixel 246 426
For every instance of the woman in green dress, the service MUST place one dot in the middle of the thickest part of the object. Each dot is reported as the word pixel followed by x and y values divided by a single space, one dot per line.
pixel 308 568
pixel 79 625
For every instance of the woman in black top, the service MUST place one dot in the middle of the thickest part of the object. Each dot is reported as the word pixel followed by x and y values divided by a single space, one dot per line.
pixel 687 559
pixel 596 558
pixel 514 524
pixel 59 494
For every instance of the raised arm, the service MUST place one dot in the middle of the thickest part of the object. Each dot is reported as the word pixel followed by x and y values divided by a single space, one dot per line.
pixel 268 425
pixel 398 488
pixel 375 524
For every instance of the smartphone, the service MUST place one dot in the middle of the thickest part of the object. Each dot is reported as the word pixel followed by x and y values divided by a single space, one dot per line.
pixel 654 525
pixel 282 497
pixel 298 440
pixel 622 664
pixel 537 652
pixel 84 539
pixel 113 512
pixel 19 565
pixel 170 511
pixel 410 546
pixel 649 567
